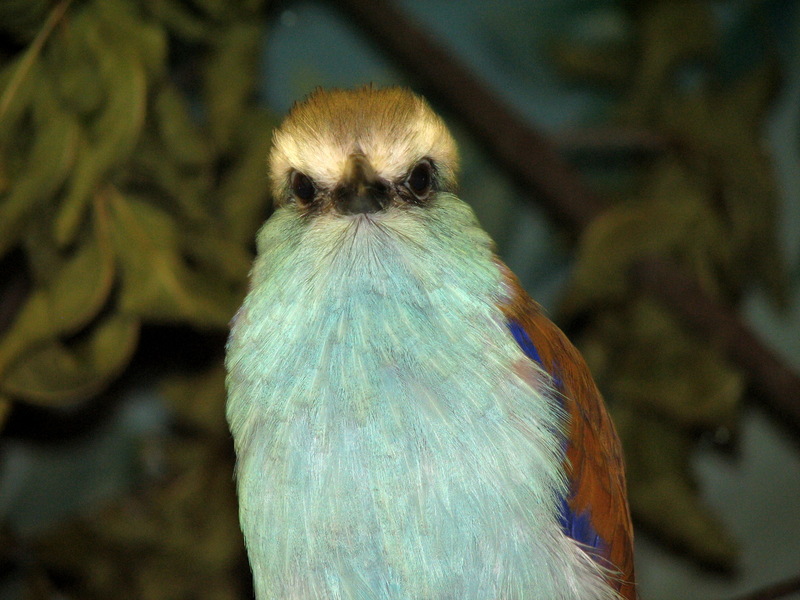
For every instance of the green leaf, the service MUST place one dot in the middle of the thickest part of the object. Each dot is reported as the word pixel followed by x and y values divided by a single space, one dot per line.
pixel 180 136
pixel 23 18
pixel 157 284
pixel 673 220
pixel 670 32
pixel 122 21
pixel 78 288
pixel 707 396
pixel 58 372
pixel 112 135
pixel 51 157
pixel 18 90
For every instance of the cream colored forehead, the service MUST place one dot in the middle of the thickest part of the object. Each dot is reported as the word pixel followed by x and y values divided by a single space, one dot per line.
pixel 318 137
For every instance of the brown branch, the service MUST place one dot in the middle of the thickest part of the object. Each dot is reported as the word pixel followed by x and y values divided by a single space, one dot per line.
pixel 612 140
pixel 531 157
pixel 774 591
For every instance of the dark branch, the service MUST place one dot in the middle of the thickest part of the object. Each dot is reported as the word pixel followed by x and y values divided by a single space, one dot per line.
pixel 774 591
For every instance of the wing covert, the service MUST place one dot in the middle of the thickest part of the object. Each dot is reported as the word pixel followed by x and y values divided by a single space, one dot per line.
pixel 596 511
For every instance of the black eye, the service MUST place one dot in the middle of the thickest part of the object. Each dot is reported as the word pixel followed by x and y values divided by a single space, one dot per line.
pixel 420 179
pixel 302 187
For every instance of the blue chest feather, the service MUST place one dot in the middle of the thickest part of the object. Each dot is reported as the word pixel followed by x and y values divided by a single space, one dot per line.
pixel 393 441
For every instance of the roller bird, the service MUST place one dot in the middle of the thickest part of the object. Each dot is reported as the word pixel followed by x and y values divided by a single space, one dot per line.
pixel 408 423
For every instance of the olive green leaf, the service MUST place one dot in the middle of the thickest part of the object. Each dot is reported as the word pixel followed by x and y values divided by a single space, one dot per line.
pixel 181 138
pixel 80 285
pixel 58 371
pixel 122 21
pixel 44 169
pixel 674 220
pixel 180 18
pixel 22 19
pixel 112 135
pixel 661 23
pixel 706 396
pixel 19 80
pixel 722 129
pixel 156 283
pixel 244 189
pixel 71 64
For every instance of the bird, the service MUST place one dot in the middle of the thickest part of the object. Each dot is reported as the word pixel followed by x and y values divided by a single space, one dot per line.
pixel 407 421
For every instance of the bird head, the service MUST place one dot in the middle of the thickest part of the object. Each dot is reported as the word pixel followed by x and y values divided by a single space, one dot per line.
pixel 361 153
pixel 364 186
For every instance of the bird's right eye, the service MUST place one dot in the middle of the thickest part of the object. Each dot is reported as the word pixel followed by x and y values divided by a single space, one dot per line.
pixel 302 187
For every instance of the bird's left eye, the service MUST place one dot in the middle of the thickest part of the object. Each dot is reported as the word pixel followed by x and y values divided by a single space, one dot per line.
pixel 420 179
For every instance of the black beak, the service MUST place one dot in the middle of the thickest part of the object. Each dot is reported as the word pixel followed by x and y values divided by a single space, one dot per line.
pixel 361 190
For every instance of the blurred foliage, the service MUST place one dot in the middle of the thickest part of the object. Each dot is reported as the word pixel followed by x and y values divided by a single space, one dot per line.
pixel 177 537
pixel 132 181
pixel 705 199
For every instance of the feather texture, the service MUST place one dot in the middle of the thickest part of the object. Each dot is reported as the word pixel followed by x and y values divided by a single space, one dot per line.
pixel 595 510
pixel 393 441
pixel 407 425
